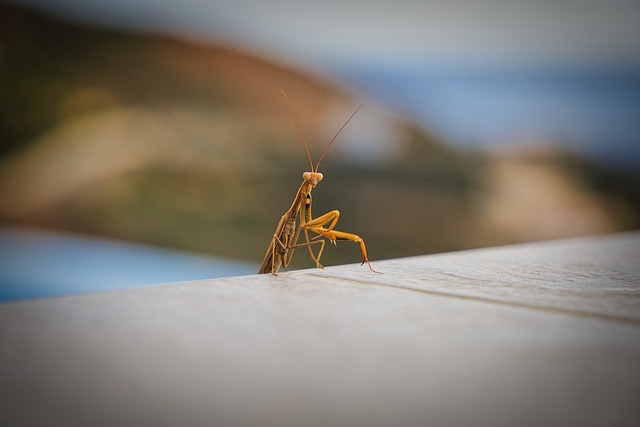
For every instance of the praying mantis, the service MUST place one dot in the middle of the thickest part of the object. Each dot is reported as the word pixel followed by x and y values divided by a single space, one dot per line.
pixel 285 238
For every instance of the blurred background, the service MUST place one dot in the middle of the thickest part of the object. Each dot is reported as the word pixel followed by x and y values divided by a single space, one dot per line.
pixel 147 141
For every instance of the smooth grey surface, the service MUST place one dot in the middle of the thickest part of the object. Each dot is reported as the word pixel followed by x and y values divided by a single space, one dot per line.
pixel 538 334
pixel 591 275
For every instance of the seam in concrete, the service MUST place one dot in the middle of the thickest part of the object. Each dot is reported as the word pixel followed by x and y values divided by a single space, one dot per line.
pixel 557 310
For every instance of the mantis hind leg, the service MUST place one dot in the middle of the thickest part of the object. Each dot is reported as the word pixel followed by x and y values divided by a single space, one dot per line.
pixel 315 258
pixel 308 244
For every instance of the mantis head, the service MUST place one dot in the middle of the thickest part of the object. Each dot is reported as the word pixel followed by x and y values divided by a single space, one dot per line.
pixel 313 177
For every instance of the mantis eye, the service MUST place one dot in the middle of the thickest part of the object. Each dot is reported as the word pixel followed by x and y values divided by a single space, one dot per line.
pixel 307 176
pixel 319 176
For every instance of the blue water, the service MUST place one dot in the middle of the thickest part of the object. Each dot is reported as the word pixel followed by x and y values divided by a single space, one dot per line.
pixel 39 264
pixel 590 110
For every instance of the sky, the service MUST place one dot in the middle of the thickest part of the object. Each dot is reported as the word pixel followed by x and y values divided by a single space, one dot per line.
pixel 390 33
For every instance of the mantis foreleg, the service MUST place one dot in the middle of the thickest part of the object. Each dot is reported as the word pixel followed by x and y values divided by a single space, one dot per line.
pixel 316 225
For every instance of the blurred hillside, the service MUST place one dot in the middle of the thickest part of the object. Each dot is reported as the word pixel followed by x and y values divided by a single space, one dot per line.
pixel 188 144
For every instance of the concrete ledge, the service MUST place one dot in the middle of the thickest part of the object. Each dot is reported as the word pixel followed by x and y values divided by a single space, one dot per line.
pixel 537 334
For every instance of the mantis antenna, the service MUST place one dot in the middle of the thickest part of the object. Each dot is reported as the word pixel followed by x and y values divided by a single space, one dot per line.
pixel 336 135
pixel 306 147
pixel 299 130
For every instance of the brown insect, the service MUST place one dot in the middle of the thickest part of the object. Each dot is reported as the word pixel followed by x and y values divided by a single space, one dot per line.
pixel 285 238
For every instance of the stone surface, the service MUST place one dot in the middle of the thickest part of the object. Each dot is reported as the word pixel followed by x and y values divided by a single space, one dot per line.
pixel 537 334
